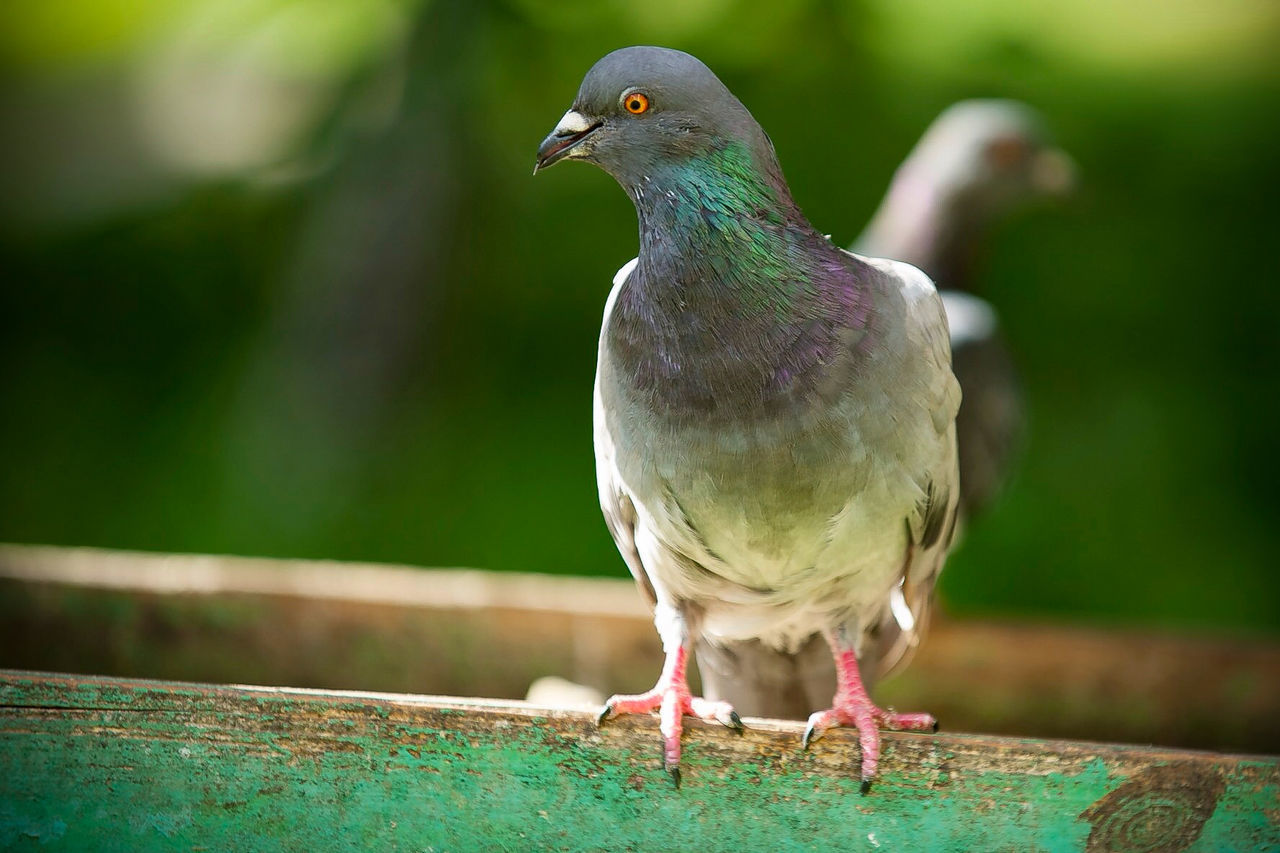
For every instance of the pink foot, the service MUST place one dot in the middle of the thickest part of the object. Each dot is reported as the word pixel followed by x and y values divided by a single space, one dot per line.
pixel 853 707
pixel 672 699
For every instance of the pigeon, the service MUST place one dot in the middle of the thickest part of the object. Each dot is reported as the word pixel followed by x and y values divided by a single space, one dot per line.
pixel 979 160
pixel 774 416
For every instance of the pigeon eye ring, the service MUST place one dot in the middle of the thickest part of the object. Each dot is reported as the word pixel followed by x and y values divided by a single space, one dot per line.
pixel 635 102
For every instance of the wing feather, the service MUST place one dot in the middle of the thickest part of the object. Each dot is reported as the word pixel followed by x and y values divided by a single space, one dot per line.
pixel 931 525
pixel 619 511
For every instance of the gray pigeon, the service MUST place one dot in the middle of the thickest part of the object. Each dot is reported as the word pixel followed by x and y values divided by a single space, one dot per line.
pixel 976 162
pixel 979 160
pixel 774 416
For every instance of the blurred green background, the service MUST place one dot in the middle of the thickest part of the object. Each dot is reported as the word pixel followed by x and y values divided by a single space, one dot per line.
pixel 277 279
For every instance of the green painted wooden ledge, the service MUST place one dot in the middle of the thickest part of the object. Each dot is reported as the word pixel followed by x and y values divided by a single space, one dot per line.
pixel 93 763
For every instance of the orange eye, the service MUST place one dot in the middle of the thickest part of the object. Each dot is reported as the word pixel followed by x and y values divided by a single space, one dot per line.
pixel 1006 151
pixel 636 103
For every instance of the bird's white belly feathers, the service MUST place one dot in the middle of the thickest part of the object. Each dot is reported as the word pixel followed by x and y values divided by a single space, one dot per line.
pixel 802 546
pixel 850 575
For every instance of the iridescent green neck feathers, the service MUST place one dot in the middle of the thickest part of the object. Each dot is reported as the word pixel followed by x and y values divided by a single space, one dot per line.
pixel 735 296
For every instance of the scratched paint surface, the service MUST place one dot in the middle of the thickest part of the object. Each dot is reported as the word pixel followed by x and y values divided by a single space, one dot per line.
pixel 116 765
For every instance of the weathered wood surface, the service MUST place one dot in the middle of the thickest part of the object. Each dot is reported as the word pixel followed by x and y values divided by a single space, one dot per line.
pixel 118 765
pixel 336 625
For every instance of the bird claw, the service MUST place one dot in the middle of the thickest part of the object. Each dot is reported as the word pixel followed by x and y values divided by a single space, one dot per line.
pixel 810 735
pixel 674 771
pixel 717 712
pixel 735 723
pixel 673 701
pixel 857 710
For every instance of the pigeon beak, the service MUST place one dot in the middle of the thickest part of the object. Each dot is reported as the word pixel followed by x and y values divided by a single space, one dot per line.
pixel 1053 172
pixel 572 129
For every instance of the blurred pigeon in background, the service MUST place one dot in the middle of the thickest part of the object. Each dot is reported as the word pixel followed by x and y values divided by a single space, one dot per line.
pixel 979 160
pixel 774 416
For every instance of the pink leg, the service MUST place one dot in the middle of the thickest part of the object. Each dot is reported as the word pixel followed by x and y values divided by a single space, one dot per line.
pixel 672 699
pixel 852 706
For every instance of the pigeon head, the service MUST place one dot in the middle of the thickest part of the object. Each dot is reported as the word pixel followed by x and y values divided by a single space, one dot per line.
pixel 993 154
pixel 978 161
pixel 640 109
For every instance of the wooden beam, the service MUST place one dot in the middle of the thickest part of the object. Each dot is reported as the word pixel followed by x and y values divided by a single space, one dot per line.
pixel 464 632
pixel 91 763
pixel 318 624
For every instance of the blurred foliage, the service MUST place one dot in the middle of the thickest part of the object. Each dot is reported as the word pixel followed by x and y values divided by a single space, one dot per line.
pixel 277 279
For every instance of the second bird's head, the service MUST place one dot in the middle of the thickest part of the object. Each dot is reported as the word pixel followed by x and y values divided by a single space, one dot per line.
pixel 642 109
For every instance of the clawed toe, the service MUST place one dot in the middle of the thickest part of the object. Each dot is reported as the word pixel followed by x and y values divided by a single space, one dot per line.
pixel 735 723
pixel 819 722
pixel 858 711
pixel 672 701
pixel 810 735
pixel 674 771
pixel 714 712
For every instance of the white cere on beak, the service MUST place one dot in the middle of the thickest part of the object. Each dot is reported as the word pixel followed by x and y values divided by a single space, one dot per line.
pixel 570 123
pixel 1053 172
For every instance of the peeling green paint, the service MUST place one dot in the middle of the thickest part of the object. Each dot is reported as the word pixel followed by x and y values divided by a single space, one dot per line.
pixel 113 765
